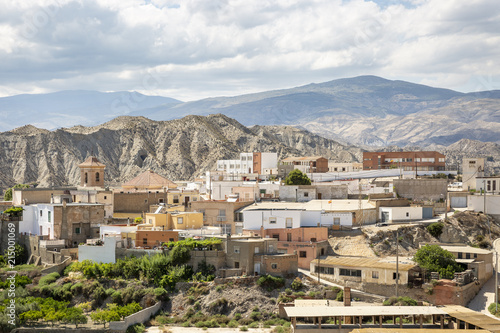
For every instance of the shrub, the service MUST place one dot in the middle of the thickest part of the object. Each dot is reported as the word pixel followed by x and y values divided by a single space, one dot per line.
pixel 161 294
pixel 116 296
pixel 297 284
pixel 435 229
pixel 218 289
pixel 48 279
pixel 137 328
pixel 492 309
pixel 400 301
pixel 271 282
pixel 77 288
pixel 340 296
pixel 237 316
pixel 288 291
pixel 244 328
pixel 233 324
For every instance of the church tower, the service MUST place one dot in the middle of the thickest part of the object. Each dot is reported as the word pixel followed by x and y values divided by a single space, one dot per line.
pixel 92 172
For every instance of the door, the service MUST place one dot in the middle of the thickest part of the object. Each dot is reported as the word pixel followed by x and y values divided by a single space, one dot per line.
pixel 289 222
pixel 427 213
pixel 458 202
pixel 256 268
pixel 385 216
pixel 186 201
pixel 319 196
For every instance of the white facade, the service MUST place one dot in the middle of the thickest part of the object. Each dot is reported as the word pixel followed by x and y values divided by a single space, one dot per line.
pixel 268 161
pixel 477 203
pixel 38 220
pixel 99 253
pixel 344 167
pixel 471 169
pixel 400 214
pixel 242 165
pixel 490 184
pixel 280 219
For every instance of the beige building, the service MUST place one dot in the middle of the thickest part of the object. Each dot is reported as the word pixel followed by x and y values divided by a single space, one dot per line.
pixel 221 214
pixel 91 172
pixel 344 167
pixel 172 221
pixel 480 261
pixel 364 270
pixel 258 256
pixel 472 168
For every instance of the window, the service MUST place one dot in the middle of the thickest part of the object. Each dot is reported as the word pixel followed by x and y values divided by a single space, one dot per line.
pixel 313 239
pixel 288 237
pixel 467 256
pixel 272 220
pixel 86 178
pixel 171 240
pixel 236 249
pixel 150 221
pixel 394 276
pixel 105 197
pixel 374 275
pixel 160 200
pixel 336 220
pixel 274 266
pixel 77 230
pixel 350 272
pixel 48 216
pixel 441 159
pixel 302 254
pixel 41 213
pixel 289 222
pixel 407 214
pixel 236 264
pixel 306 194
pixel 459 255
pixel 180 220
pixel 176 199
pixel 276 236
pixel 144 241
pixel 475 255
pixel 97 176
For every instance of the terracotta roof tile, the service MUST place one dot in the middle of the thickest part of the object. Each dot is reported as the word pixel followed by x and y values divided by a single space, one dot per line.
pixel 91 161
pixel 149 179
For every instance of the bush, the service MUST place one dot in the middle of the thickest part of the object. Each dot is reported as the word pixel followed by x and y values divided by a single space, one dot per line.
pixel 161 294
pixel 340 296
pixel 297 284
pixel 271 282
pixel 233 324
pixel 400 301
pixel 48 279
pixel 77 288
pixel 492 309
pixel 137 328
pixel 116 296
pixel 435 229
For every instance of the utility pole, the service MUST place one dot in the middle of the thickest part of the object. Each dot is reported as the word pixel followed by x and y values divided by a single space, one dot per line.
pixel 397 261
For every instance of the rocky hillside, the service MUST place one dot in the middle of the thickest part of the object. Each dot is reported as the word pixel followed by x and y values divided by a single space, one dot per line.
pixel 177 149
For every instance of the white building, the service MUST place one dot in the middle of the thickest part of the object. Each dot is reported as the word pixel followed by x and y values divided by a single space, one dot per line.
pixel 490 184
pixel 315 213
pixel 249 163
pixel 472 168
pixel 38 220
pixel 400 214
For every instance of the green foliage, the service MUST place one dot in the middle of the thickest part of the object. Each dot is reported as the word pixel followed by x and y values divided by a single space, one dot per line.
pixel 7 196
pixel 271 282
pixel 161 294
pixel 137 328
pixel 340 296
pixel 20 255
pixel 435 259
pixel 400 301
pixel 48 279
pixel 296 177
pixel 191 244
pixel 492 309
pixel 19 281
pixel 14 211
pixel 435 229
pixel 297 284
pixel 138 220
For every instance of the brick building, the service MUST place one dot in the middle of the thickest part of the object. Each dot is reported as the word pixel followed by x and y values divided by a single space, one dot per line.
pixel 407 160
pixel 308 164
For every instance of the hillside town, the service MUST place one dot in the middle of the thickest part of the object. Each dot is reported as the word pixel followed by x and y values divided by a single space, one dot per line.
pixel 363 232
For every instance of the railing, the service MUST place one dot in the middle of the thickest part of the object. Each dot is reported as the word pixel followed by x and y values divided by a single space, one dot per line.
pixel 221 219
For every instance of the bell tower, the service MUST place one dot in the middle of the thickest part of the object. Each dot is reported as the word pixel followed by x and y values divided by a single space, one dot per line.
pixel 92 172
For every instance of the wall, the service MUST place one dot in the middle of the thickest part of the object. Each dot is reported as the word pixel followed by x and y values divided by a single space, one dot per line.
pixel 104 253
pixel 401 214
pixel 59 268
pixel 138 317
pixel 285 264
pixel 34 196
pixel 211 211
pixel 255 219
pixel 190 220
pixel 216 258
pixel 471 168
pixel 327 192
pixel 476 203
pixel 448 293
pixel 155 237
pixel 297 193
pixel 136 202
pixel 421 189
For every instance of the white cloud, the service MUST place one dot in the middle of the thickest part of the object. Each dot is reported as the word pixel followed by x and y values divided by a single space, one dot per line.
pixel 208 48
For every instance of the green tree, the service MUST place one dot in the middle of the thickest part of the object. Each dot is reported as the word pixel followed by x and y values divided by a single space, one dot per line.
pixel 434 258
pixel 296 177
pixel 74 316
pixel 7 196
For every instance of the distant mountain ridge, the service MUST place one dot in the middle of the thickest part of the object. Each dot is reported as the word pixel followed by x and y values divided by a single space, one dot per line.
pixel 364 111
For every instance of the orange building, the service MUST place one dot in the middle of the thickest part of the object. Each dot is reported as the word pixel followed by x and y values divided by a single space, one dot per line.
pixel 152 238
pixel 307 242
pixel 92 172
pixel 408 160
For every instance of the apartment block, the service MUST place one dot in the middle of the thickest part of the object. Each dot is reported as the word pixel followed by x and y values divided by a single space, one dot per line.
pixel 407 160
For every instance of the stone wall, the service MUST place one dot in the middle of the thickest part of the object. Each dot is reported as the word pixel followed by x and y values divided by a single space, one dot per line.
pixel 421 189
pixel 59 268
pixel 136 318
pixel 137 202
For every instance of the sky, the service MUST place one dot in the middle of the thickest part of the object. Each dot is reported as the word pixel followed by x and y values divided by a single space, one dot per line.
pixel 193 49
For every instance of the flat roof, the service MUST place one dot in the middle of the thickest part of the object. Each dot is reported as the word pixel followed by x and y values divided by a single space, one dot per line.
pixel 472 317
pixel 412 330
pixel 380 310
pixel 362 262
pixel 466 249
pixel 313 205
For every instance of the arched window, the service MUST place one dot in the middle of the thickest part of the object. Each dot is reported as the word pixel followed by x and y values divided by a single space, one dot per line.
pixel 86 178
pixel 97 176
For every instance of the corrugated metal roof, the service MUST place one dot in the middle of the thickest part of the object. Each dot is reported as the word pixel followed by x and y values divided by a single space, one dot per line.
pixel 361 262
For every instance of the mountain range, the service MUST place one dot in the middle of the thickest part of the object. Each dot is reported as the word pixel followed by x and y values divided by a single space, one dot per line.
pixel 179 149
pixel 365 111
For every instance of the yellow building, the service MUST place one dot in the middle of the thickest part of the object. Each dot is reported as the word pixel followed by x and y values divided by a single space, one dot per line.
pixel 173 220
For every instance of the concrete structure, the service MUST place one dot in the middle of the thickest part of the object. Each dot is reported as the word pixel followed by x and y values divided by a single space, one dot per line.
pixel 303 193
pixel 472 168
pixel 421 189
pixel 91 172
pixel 149 239
pixel 480 261
pixel 489 184
pixel 105 253
pixel 328 213
pixel 249 163
pixel 149 180
pixel 172 221
pixel 73 222
pixel 258 256
pixel 27 196
pixel 309 164
pixel 246 190
pixel 400 214
pixel 409 161
pixel 488 204
pixel 344 167
pixel 221 214
pixel 364 270
pixel 307 243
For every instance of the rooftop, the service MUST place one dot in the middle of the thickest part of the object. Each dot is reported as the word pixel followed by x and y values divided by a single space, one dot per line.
pixel 313 205
pixel 92 162
pixel 149 179
pixel 465 249
pixel 305 158
pixel 362 262
pixel 332 311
